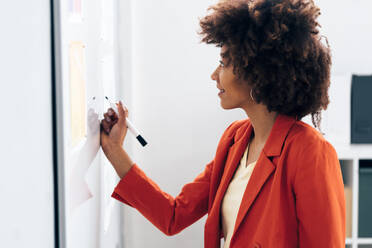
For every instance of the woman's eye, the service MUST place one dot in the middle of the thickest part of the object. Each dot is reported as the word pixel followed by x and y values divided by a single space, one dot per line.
pixel 221 63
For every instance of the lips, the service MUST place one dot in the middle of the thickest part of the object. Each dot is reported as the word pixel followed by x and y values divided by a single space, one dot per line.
pixel 221 90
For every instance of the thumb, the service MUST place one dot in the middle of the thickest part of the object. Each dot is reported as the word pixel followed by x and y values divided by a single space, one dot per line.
pixel 122 113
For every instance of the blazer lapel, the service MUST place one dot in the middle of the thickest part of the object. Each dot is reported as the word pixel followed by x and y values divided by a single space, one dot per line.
pixel 235 153
pixel 264 166
pixel 263 169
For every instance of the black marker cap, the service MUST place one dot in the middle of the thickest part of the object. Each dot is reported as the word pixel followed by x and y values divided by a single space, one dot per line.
pixel 141 140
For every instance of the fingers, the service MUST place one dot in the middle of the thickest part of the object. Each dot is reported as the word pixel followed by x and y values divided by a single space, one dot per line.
pixel 123 112
pixel 111 118
pixel 103 137
pixel 106 126
pixel 107 118
pixel 111 115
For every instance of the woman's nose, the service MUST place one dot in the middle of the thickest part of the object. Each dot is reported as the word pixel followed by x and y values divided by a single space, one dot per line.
pixel 214 75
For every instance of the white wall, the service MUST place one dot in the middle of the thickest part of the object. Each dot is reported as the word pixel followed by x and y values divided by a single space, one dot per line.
pixel 171 98
pixel 347 25
pixel 26 179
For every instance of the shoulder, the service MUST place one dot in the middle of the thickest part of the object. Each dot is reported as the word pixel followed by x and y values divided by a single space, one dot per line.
pixel 234 126
pixel 305 140
pixel 227 138
pixel 308 154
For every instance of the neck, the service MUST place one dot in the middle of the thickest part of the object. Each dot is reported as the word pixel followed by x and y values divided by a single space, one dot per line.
pixel 262 122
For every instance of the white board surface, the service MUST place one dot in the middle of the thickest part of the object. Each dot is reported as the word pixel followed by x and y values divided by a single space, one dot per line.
pixel 88 216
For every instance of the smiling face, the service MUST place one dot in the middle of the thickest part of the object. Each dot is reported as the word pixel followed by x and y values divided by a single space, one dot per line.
pixel 234 93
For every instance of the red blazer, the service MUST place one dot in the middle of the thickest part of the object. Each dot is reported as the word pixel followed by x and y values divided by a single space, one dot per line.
pixel 294 198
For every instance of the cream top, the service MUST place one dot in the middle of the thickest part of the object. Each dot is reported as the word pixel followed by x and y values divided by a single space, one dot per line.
pixel 233 197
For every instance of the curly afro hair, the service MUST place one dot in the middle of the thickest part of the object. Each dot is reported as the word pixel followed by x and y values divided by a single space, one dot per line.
pixel 275 46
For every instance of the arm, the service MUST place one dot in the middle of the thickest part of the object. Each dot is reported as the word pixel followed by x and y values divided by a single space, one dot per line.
pixel 168 214
pixel 119 159
pixel 320 200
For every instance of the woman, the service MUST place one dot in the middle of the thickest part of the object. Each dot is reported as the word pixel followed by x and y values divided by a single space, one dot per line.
pixel 274 181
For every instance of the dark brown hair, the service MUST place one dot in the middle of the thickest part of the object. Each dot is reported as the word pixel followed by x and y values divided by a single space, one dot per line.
pixel 275 46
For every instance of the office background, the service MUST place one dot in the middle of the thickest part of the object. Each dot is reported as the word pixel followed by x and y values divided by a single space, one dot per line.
pixel 165 80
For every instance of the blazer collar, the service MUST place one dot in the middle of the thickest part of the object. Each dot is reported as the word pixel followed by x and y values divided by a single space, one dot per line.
pixel 278 133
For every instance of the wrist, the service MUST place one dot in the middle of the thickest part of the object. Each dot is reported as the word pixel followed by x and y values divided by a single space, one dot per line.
pixel 119 159
pixel 112 148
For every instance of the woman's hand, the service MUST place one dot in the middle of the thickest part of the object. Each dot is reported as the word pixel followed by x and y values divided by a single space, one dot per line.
pixel 113 129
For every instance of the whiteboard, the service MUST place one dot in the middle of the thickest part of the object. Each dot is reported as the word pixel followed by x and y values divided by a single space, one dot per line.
pixel 85 68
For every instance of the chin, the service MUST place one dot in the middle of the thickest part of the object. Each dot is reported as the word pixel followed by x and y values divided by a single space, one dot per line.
pixel 224 106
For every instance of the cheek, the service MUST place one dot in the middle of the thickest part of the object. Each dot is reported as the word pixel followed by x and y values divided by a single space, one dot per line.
pixel 236 90
pixel 226 79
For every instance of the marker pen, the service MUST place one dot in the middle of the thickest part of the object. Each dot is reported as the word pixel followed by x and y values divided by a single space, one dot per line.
pixel 130 125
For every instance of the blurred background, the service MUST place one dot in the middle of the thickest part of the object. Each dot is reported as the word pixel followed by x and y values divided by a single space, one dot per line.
pixel 147 54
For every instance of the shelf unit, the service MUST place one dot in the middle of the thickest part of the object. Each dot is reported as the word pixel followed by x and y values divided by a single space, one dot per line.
pixel 350 157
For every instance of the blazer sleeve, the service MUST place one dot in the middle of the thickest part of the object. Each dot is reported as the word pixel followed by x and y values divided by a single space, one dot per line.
pixel 170 215
pixel 320 199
